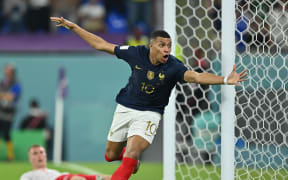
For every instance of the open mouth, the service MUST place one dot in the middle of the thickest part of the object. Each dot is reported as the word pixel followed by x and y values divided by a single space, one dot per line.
pixel 165 58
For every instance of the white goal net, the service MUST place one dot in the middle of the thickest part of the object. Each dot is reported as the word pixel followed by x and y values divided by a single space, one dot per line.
pixel 261 103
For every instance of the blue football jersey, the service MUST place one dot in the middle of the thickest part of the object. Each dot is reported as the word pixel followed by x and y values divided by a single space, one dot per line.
pixel 149 86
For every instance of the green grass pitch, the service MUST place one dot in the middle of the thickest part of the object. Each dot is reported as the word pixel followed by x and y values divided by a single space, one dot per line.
pixel 148 171
pixel 13 170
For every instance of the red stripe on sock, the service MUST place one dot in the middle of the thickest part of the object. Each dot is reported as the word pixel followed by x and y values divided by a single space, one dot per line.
pixel 69 176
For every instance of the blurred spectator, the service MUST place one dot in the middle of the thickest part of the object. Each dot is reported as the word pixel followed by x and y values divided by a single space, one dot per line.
pixel 137 38
pixel 36 119
pixel 241 34
pixel 38 14
pixel 116 23
pixel 65 8
pixel 179 53
pixel 117 6
pixel 14 11
pixel 116 18
pixel 214 14
pixel 10 91
pixel 92 16
pixel 1 14
pixel 277 20
pixel 139 11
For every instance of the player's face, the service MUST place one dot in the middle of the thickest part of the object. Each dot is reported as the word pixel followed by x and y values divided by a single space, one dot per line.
pixel 37 157
pixel 160 49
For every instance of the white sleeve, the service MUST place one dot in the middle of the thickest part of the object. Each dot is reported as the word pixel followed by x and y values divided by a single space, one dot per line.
pixel 24 177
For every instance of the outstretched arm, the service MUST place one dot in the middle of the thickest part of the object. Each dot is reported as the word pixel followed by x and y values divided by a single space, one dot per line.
pixel 92 39
pixel 208 78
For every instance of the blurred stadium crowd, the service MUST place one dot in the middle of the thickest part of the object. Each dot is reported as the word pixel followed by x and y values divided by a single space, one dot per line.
pixel 112 16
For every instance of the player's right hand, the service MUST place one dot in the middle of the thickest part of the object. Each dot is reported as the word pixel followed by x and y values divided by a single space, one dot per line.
pixel 62 22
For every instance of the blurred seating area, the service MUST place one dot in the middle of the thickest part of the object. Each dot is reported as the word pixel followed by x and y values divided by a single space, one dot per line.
pixel 25 24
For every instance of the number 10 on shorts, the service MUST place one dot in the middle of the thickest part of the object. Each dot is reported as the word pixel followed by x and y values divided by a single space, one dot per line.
pixel 150 129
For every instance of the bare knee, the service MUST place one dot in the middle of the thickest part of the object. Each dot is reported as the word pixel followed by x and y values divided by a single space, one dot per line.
pixel 112 153
pixel 113 150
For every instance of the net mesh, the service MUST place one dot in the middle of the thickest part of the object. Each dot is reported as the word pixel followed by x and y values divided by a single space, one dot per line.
pixel 198 27
pixel 261 104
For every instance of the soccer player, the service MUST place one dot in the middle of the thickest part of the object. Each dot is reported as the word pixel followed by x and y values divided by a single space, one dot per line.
pixel 38 159
pixel 141 102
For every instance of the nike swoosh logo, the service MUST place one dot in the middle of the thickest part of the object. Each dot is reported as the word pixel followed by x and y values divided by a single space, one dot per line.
pixel 137 67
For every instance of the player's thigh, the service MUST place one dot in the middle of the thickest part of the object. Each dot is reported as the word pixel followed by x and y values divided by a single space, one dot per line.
pixel 120 124
pixel 135 146
pixel 145 124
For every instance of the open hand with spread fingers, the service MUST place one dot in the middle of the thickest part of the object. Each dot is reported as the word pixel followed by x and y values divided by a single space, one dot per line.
pixel 234 78
pixel 62 22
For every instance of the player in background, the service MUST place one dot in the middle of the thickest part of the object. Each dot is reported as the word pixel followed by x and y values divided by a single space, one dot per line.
pixel 10 93
pixel 141 103
pixel 38 159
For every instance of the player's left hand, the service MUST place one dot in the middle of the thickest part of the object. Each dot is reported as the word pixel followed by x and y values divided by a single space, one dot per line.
pixel 234 78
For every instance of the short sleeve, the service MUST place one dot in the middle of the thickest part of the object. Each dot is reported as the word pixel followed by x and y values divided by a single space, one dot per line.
pixel 126 53
pixel 181 69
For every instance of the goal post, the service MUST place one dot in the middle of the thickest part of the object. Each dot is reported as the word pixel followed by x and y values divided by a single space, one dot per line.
pixel 228 51
pixel 229 132
pixel 228 92
pixel 170 111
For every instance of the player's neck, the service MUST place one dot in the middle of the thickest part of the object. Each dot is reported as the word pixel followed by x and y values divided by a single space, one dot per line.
pixel 153 61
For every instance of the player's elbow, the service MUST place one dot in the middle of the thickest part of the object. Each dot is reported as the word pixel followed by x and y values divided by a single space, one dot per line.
pixel 192 77
pixel 105 47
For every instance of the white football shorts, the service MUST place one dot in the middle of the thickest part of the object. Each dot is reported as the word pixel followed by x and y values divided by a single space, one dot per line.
pixel 128 122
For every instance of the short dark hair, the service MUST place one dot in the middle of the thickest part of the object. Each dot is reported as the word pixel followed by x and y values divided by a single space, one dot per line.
pixel 159 33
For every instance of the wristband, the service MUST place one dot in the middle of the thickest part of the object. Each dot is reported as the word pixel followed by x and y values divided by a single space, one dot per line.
pixel 226 80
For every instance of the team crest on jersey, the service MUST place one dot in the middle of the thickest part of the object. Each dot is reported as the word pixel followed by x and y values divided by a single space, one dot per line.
pixel 161 76
pixel 150 75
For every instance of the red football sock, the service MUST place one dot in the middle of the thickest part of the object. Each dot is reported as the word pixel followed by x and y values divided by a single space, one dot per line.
pixel 125 170
pixel 69 176
pixel 118 158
